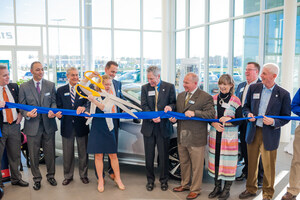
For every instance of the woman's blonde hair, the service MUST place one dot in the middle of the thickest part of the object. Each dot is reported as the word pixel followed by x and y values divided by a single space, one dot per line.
pixel 104 77
pixel 227 79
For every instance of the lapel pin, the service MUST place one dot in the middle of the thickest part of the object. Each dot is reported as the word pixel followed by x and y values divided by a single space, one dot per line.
pixel 163 90
pixel 13 89
pixel 276 95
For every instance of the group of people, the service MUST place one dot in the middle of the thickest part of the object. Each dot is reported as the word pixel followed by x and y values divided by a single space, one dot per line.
pixel 254 97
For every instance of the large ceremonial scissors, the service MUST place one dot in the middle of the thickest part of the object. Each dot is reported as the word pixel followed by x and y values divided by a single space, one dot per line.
pixel 108 97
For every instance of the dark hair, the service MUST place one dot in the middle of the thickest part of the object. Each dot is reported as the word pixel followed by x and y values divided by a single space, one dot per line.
pixel 3 67
pixel 31 66
pixel 110 63
pixel 255 64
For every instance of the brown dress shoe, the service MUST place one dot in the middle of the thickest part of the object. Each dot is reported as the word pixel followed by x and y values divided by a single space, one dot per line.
pixel 246 194
pixel 192 195
pixel 179 189
pixel 288 196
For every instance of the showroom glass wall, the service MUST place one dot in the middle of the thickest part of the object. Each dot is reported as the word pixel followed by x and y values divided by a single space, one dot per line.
pixel 81 33
pixel 220 36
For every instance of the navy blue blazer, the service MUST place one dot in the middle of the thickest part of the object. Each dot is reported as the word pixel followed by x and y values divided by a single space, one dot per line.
pixel 241 88
pixel 63 100
pixel 279 105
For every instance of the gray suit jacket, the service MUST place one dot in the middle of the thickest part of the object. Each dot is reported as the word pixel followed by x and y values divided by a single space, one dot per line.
pixel 190 132
pixel 29 96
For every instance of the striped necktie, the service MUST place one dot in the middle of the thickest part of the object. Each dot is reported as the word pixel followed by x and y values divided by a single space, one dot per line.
pixel 72 95
pixel 156 97
pixel 187 98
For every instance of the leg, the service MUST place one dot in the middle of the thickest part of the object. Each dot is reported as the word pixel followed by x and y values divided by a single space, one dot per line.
pixel 115 166
pixel 48 143
pixel 149 145
pixel 243 128
pixel 83 156
pixel 99 170
pixel 226 191
pixel 260 171
pixel 197 158
pixel 116 129
pixel 68 156
pixel 34 144
pixel 185 166
pixel 2 147
pixel 163 149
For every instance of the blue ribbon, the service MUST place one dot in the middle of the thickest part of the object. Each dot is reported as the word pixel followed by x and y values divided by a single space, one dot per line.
pixel 140 115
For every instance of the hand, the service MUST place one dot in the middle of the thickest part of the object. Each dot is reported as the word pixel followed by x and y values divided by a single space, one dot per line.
pixel 252 119
pixel 87 114
pixel 91 98
pixel 19 119
pixel 80 110
pixel 51 114
pixel 224 119
pixel 32 114
pixel 2 104
pixel 173 119
pixel 268 120
pixel 58 115
pixel 189 113
pixel 218 126
pixel 156 120
pixel 94 74
pixel 167 108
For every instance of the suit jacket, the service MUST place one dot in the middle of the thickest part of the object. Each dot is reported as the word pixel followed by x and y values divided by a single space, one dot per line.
pixel 14 90
pixel 28 95
pixel 63 100
pixel 190 132
pixel 279 105
pixel 166 97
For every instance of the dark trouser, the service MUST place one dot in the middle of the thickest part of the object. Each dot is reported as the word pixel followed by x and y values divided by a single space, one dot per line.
pixel 11 139
pixel 48 144
pixel 68 155
pixel 243 129
pixel 162 146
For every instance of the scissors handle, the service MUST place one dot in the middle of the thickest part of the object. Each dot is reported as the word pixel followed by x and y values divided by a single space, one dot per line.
pixel 94 93
pixel 99 85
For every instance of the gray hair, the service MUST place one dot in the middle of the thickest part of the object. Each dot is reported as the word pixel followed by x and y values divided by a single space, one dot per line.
pixel 272 67
pixel 193 76
pixel 3 67
pixel 71 69
pixel 154 69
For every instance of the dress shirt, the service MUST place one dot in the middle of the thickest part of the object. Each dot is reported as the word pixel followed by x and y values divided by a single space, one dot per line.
pixel 11 99
pixel 35 83
pixel 70 88
pixel 191 92
pixel 246 90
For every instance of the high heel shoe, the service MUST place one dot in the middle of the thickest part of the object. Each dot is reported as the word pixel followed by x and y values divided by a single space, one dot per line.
pixel 101 188
pixel 120 185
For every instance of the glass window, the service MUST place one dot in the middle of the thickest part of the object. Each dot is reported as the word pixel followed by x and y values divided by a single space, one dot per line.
pixel 127 13
pixel 242 7
pixel 63 12
pixel 152 14
pixel 197 11
pixel 101 13
pixel 218 54
pixel 218 9
pixel 180 55
pixel 30 36
pixel 273 38
pixel 101 40
pixel 24 60
pixel 6 56
pixel 30 12
pixel 246 46
pixel 180 14
pixel 273 3
pixel 296 73
pixel 7 35
pixel 7 11
pixel 127 53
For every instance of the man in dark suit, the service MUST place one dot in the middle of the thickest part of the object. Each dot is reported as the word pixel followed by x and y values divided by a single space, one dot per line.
pixel 10 127
pixel 251 74
pixel 263 134
pixel 157 95
pixel 73 127
pixel 192 135
pixel 40 128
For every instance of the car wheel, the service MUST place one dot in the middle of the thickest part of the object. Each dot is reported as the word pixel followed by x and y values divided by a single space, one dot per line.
pixel 174 164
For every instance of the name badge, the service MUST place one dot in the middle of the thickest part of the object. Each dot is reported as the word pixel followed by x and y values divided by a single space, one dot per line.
pixel 225 105
pixel 191 102
pixel 256 96
pixel 151 93
pixel 242 89
pixel 47 94
pixel 67 94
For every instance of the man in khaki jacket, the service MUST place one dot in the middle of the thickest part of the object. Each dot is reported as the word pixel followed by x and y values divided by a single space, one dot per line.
pixel 192 135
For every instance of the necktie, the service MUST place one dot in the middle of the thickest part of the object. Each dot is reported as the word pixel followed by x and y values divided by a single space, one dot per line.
pixel 9 115
pixel 38 89
pixel 187 98
pixel 72 95
pixel 113 109
pixel 156 97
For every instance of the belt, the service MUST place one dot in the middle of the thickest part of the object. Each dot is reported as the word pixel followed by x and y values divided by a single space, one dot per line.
pixel 9 123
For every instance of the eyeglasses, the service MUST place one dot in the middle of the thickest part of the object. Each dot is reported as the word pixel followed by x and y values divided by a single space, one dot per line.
pixel 250 69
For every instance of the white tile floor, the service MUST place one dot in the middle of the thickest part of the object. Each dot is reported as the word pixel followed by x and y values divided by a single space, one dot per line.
pixel 135 180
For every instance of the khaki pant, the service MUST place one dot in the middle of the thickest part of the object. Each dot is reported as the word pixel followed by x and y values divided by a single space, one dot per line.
pixel 191 164
pixel 255 149
pixel 294 188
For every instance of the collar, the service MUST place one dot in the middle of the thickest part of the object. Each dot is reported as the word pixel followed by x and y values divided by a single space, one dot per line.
pixel 194 91
pixel 35 82
pixel 271 89
pixel 70 86
pixel 255 81
pixel 6 87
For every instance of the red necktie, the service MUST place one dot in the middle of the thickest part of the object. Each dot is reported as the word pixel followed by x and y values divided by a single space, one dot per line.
pixel 9 115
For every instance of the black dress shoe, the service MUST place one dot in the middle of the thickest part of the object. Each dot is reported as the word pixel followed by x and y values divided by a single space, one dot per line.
pixel 164 186
pixel 241 177
pixel 21 183
pixel 37 185
pixel 85 180
pixel 52 181
pixel 150 186
pixel 66 181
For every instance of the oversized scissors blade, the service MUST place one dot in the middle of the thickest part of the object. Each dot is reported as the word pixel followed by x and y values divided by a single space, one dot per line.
pixel 120 105
pixel 121 101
